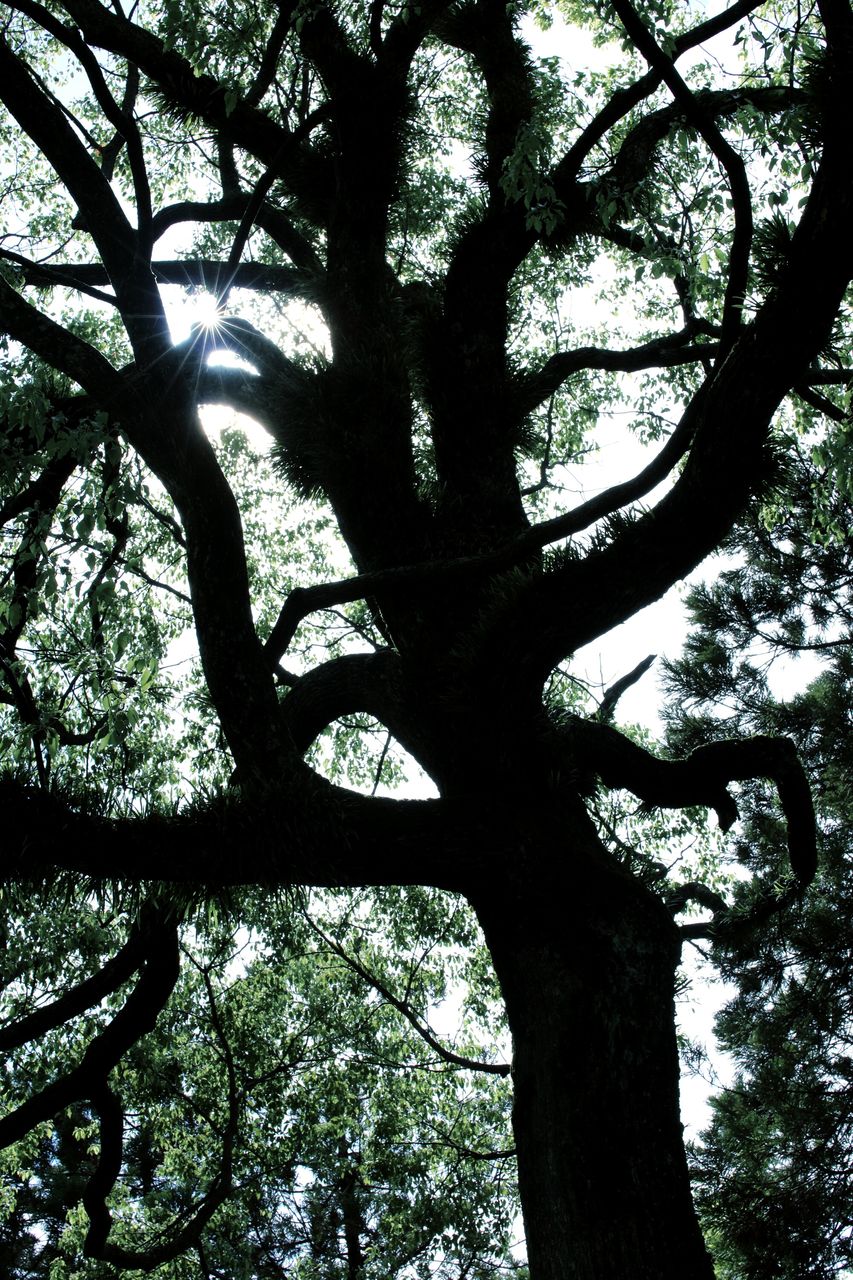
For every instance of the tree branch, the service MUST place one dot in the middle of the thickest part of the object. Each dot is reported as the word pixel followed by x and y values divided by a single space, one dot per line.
pixel 60 348
pixel 90 991
pixel 694 891
pixel 268 65
pixel 735 170
pixel 97 1244
pixel 302 601
pixel 250 128
pixel 824 406
pixel 624 100
pixel 136 1017
pixel 121 120
pixel 118 245
pixel 42 274
pixel 232 207
pixel 403 1007
pixel 194 273
pixel 702 779
pixel 728 422
pixel 607 706
pixel 672 350
pixel 111 1130
pixel 310 832
pixel 633 163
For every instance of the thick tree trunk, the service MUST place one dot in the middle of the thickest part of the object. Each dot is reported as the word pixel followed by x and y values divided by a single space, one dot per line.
pixel 586 957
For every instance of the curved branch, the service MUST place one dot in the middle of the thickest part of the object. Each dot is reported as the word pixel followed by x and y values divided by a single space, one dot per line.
pixel 672 350
pixel 268 396
pixel 727 424
pixel 694 891
pixel 406 33
pixel 241 389
pixel 355 682
pixel 268 65
pixel 239 336
pixel 111 1129
pixel 403 1007
pixel 702 779
pixel 97 1244
pixel 136 1017
pixel 633 161
pixel 372 683
pixel 121 120
pixel 60 348
pixel 731 162
pixel 302 601
pixel 624 100
pixel 200 95
pixel 118 244
pixel 87 993
pixel 269 218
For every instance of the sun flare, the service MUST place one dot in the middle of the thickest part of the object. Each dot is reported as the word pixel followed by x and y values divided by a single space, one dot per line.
pixel 196 312
pixel 206 313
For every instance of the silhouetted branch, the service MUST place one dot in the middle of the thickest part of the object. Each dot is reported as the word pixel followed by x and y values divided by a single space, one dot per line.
pixel 97 1244
pixel 659 353
pixel 612 695
pixel 696 113
pixel 624 100
pixel 136 1017
pixel 702 779
pixel 192 273
pixel 111 1132
pixel 87 993
pixel 403 1007
pixel 694 891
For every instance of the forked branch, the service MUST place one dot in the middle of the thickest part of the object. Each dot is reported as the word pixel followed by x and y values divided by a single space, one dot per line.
pixel 136 1017
pixel 729 159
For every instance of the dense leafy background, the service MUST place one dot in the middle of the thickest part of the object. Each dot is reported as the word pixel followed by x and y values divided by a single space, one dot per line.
pixel 363 1150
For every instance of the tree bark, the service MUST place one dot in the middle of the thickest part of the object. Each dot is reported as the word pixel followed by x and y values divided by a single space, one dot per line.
pixel 586 956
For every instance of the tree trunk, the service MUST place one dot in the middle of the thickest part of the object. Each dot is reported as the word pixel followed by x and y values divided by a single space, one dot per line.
pixel 586 957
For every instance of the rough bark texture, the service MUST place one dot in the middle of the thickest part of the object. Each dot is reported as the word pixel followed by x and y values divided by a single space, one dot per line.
pixel 587 968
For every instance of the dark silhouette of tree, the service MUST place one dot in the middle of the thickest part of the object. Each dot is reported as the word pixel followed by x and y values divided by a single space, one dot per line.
pixel 432 190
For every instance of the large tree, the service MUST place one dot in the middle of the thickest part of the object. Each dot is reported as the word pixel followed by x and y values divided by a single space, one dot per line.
pixel 434 192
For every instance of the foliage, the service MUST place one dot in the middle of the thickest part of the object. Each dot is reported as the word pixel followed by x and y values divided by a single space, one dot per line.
pixel 774 1166
pixel 312 314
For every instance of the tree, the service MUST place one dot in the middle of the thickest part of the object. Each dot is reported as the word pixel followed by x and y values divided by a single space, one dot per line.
pixel 432 190
pixel 774 1166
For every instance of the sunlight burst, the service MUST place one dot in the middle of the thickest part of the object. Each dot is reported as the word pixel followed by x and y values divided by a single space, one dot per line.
pixel 191 312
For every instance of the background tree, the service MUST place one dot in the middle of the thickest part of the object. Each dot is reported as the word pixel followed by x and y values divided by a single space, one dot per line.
pixel 775 1164
pixel 430 193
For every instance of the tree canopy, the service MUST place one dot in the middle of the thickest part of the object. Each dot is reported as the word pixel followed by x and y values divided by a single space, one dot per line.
pixel 266 1014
